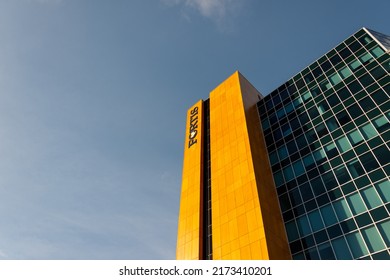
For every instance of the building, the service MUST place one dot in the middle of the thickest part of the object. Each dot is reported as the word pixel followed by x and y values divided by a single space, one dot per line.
pixel 302 173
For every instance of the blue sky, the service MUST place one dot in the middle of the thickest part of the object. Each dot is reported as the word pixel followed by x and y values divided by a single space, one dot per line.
pixel 93 98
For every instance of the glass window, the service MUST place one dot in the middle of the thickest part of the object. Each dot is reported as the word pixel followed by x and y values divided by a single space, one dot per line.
pixel 325 85
pixel 355 168
pixel 333 100
pixel 292 148
pixel 265 124
pixel 282 151
pixel 373 240
pixel 289 108
pixel 280 113
pixel 286 130
pixel 323 107
pixel 343 144
pixel 331 150
pixel 288 173
pixel 332 124
pixel 341 249
pixel 356 244
pixel 371 197
pixel 319 156
pixel 384 229
pixel 301 141
pixel 326 252
pixel 377 51
pixel 315 220
pixel 345 72
pixel 356 203
pixel 367 104
pixel 306 191
pixel 306 95
pixel 273 157
pixel 355 64
pixel 368 131
pixel 342 175
pixel 292 231
pixel 321 130
pixel 329 180
pixel 313 112
pixel 295 197
pixel 303 226
pixel 379 97
pixel 297 102
pixel 355 111
pixel 382 154
pixel 328 215
pixel 381 124
pixel 308 161
pixel 298 168
pixel 369 162
pixel 335 79
pixel 383 189
pixel 365 58
pixel 343 117
pixel 355 137
pixel 278 176
pixel 342 209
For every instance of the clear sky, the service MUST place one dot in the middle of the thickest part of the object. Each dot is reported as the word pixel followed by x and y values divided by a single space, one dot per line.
pixel 93 99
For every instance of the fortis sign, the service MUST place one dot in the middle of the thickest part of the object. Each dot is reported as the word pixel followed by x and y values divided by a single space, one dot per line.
pixel 193 127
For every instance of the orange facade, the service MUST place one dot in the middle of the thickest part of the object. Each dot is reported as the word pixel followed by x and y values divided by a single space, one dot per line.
pixel 246 218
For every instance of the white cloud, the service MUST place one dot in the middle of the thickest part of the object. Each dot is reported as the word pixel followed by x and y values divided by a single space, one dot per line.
pixel 216 10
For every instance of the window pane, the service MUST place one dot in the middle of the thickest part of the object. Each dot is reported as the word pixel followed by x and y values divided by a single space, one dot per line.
pixel 356 245
pixel 315 220
pixel 381 123
pixel 335 79
pixel 341 249
pixel 308 161
pixel 326 252
pixel 368 131
pixel 355 64
pixel 342 175
pixel 384 229
pixel 278 176
pixel 306 95
pixel 343 144
pixel 373 239
pixel 273 158
pixel 332 124
pixel 282 151
pixel 371 197
pixel 345 72
pixel 303 226
pixel 355 168
pixel 331 150
pixel 365 58
pixel 356 203
pixel 328 215
pixel 355 137
pixel 292 231
pixel 377 51
pixel 298 168
pixel 383 189
pixel 288 173
pixel 265 124
pixel 342 209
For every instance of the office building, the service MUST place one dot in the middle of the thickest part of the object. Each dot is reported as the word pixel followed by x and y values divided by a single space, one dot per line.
pixel 301 173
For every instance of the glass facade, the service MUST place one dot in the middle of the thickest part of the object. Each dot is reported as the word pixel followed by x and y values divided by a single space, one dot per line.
pixel 327 136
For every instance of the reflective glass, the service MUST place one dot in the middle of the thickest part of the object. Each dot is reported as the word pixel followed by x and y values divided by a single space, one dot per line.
pixel 384 229
pixel 328 215
pixel 315 220
pixel 335 79
pixel 383 189
pixel 381 124
pixel 288 173
pixel 326 251
pixel 355 137
pixel 341 249
pixel 298 168
pixel 356 203
pixel 282 151
pixel 371 197
pixel 342 209
pixel 373 239
pixel 303 226
pixel 355 168
pixel 356 244
pixel 377 51
pixel 292 231
pixel 343 144
pixel 345 72
pixel 368 131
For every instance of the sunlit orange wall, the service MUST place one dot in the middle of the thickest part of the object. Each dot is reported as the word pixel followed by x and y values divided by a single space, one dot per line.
pixel 239 228
pixel 189 228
